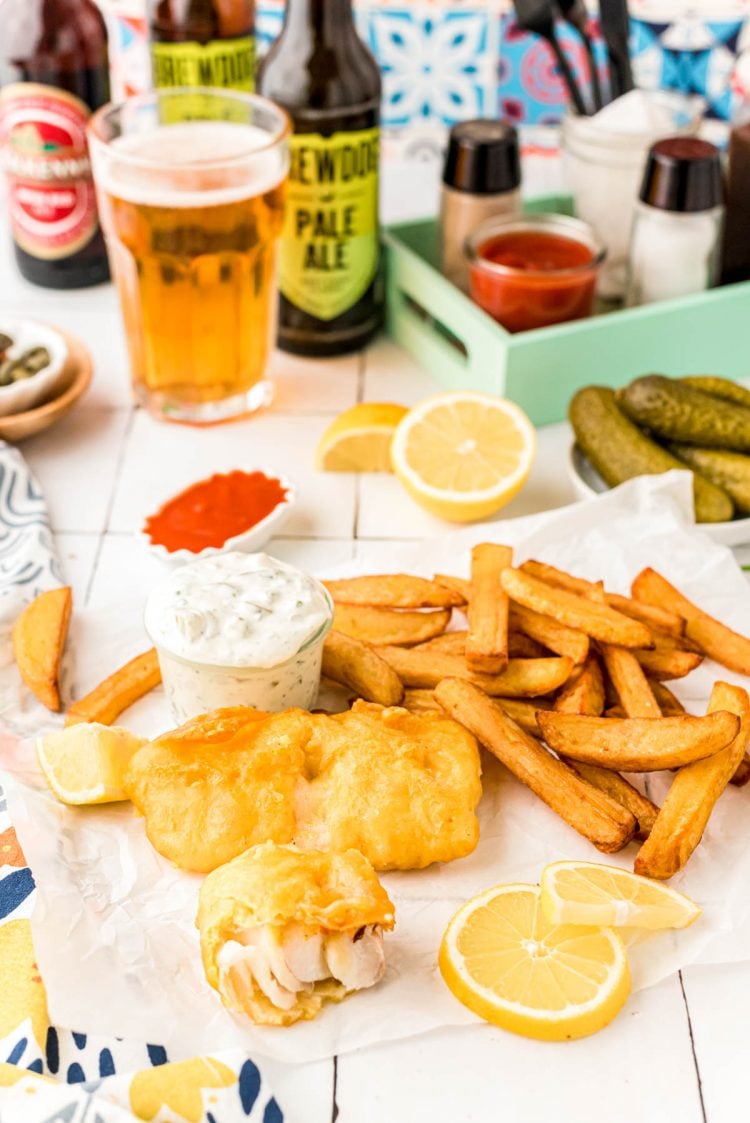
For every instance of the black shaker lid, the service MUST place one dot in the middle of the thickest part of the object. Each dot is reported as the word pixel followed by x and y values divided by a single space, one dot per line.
pixel 483 157
pixel 683 174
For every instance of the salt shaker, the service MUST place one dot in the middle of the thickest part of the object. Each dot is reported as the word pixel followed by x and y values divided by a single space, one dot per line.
pixel 481 180
pixel 677 228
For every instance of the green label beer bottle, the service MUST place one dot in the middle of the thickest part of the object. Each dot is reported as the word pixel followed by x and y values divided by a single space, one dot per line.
pixel 329 276
pixel 203 43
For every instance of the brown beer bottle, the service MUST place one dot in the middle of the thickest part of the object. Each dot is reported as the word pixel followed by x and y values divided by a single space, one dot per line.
pixel 203 43
pixel 53 72
pixel 329 278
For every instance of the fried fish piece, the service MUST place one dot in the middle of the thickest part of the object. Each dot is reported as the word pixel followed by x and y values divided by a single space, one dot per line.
pixel 282 930
pixel 402 788
pixel 398 786
pixel 220 784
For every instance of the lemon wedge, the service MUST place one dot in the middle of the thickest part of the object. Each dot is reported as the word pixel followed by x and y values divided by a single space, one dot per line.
pixel 463 455
pixel 86 763
pixel 502 958
pixel 359 440
pixel 591 893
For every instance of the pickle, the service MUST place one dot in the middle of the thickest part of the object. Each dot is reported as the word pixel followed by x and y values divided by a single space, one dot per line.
pixel 729 470
pixel 618 450
pixel 719 388
pixel 675 411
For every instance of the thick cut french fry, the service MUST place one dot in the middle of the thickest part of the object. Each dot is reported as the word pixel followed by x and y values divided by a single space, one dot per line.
pixel 522 678
pixel 107 701
pixel 389 625
pixel 39 636
pixel 668 703
pixel 521 646
pixel 638 744
pixel 586 696
pixel 623 791
pixel 584 692
pixel 615 711
pixel 558 578
pixel 658 619
pixel 694 792
pixel 357 665
pixel 667 663
pixel 650 615
pixel 669 642
pixel 393 590
pixel 742 775
pixel 420 701
pixel 597 620
pixel 459 585
pixel 487 641
pixel 592 813
pixel 523 713
pixel 550 633
pixel 630 682
pixel 714 638
pixel 454 643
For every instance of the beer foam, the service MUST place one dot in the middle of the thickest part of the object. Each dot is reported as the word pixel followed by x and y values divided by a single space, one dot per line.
pixel 186 172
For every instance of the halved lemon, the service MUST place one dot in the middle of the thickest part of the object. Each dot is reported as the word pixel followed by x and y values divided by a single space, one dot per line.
pixel 502 958
pixel 359 440
pixel 591 893
pixel 86 763
pixel 464 455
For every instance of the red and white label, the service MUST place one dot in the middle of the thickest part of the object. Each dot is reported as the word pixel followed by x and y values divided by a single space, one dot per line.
pixel 45 157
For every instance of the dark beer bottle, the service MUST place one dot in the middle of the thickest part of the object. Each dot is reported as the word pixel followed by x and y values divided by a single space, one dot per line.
pixel 53 72
pixel 324 76
pixel 203 43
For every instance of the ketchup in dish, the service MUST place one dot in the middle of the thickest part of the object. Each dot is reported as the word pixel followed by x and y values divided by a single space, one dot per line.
pixel 534 272
pixel 212 511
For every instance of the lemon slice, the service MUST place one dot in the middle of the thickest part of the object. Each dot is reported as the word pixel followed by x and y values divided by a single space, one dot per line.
pixel 503 959
pixel 463 455
pixel 359 440
pixel 86 763
pixel 590 893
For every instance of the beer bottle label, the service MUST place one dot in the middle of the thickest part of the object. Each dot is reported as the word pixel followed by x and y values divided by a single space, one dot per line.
pixel 329 243
pixel 227 63
pixel 45 156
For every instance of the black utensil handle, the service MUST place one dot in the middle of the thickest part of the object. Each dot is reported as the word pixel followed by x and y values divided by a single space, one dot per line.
pixel 596 86
pixel 567 73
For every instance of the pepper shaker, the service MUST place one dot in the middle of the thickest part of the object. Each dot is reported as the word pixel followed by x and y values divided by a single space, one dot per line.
pixel 481 180
pixel 676 239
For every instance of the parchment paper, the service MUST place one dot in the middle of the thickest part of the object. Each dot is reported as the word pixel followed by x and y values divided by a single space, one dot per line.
pixel 113 926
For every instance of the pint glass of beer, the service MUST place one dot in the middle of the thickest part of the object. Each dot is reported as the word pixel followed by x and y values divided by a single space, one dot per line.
pixel 190 186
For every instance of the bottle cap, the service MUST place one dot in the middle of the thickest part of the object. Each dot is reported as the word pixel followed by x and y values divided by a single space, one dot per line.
pixel 683 174
pixel 482 158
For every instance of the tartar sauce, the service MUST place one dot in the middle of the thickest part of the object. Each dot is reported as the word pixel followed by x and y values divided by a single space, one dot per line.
pixel 238 629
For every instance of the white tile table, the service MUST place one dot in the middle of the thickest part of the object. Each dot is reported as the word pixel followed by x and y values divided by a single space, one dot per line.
pixel 679 1053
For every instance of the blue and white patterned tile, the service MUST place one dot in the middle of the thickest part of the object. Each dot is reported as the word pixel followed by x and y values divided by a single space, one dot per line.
pixel 439 64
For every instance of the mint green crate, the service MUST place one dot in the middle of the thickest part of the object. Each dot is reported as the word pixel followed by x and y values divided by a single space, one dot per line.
pixel 464 348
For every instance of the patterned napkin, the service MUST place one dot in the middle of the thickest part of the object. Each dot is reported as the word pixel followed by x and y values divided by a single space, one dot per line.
pixel 50 1074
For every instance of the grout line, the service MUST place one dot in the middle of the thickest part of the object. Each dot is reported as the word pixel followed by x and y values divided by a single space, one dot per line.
pixel 108 512
pixel 357 479
pixel 334 1101
pixel 692 1047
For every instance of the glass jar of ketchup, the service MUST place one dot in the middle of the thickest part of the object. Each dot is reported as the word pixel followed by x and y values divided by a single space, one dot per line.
pixel 532 272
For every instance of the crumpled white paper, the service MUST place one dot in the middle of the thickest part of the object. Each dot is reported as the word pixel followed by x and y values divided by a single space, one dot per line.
pixel 113 927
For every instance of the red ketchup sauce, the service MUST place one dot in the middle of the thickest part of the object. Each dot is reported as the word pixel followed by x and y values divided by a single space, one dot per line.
pixel 211 511
pixel 544 279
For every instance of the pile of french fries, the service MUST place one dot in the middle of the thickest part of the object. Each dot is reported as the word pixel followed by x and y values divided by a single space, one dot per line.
pixel 564 683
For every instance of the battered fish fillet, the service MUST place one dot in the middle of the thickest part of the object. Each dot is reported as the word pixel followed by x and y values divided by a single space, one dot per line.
pixel 282 931
pixel 401 788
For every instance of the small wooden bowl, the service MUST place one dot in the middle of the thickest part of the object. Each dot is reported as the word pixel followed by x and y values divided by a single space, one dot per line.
pixel 74 382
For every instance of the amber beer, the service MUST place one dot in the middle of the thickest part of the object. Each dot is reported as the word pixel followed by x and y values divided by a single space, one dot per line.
pixel 192 211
